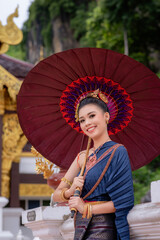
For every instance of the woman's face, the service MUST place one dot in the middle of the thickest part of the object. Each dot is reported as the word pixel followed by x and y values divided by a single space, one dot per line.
pixel 92 121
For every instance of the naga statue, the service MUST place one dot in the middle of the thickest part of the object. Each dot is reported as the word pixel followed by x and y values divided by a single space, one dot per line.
pixel 10 34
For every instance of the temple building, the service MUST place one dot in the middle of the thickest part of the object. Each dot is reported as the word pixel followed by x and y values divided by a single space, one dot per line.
pixel 20 185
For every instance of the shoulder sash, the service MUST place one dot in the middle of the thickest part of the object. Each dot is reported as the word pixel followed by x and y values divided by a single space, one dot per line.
pixel 105 169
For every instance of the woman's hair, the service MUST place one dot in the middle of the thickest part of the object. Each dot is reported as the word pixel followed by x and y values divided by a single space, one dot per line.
pixel 95 101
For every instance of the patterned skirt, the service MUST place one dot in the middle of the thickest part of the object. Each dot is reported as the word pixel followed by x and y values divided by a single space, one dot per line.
pixel 99 227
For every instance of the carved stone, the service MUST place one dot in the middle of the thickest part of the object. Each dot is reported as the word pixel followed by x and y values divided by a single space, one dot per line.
pixel 144 221
pixel 49 223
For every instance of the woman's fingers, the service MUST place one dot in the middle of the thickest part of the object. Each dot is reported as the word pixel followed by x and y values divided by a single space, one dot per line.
pixel 78 181
pixel 76 202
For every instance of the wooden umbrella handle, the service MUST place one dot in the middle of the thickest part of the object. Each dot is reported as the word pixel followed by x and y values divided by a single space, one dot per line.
pixel 78 191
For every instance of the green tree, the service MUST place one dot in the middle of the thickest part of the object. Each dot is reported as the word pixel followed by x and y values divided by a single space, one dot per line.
pixel 140 23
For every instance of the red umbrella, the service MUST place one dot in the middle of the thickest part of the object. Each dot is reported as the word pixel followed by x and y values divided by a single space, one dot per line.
pixel 48 97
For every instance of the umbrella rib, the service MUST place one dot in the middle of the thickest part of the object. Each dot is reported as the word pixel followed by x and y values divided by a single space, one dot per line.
pixel 92 61
pixel 68 66
pixel 48 104
pixel 139 81
pixel 39 84
pixel 148 141
pixel 45 114
pixel 151 99
pixel 57 145
pixel 143 119
pixel 106 57
pixel 112 76
pixel 79 61
pixel 135 143
pixel 143 90
pixel 73 142
pixel 50 76
pixel 130 71
pixel 37 129
pixel 46 96
pixel 147 109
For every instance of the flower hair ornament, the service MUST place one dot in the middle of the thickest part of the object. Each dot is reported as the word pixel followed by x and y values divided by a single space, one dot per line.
pixel 96 94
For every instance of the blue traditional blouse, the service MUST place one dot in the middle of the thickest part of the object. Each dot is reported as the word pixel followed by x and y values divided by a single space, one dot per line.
pixel 116 185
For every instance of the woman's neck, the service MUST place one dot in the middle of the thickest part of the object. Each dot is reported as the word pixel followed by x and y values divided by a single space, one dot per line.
pixel 101 141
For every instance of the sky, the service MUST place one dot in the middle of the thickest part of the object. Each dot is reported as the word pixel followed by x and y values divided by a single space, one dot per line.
pixel 8 7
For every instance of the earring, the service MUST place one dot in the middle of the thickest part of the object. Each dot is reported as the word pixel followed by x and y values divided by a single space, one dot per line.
pixel 107 121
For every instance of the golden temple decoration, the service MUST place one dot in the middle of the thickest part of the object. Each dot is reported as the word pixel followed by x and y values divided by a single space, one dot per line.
pixel 13 141
pixel 43 165
pixel 10 34
pixel 39 190
pixel 9 88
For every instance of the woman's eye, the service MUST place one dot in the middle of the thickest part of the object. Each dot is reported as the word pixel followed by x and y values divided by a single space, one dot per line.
pixel 92 115
pixel 81 121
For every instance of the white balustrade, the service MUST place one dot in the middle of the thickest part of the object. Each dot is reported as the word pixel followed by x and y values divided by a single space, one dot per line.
pixel 54 223
pixel 4 235
pixel 144 219
pixel 49 223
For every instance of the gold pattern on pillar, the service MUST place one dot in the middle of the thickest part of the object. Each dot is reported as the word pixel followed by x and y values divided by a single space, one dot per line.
pixel 13 141
pixel 9 88
pixel 36 190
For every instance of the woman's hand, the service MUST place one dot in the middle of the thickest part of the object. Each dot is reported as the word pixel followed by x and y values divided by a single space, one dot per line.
pixel 77 203
pixel 77 182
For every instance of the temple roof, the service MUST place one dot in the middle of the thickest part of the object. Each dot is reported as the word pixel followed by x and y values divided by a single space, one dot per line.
pixel 16 67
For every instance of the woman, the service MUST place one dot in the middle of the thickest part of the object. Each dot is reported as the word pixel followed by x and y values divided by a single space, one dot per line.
pixel 106 187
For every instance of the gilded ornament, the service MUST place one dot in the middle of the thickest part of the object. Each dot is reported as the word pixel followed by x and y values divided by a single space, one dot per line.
pixel 9 88
pixel 13 141
pixel 39 190
pixel 43 165
pixel 10 34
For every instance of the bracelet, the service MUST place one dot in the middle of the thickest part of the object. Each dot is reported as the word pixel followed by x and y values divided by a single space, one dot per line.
pixel 66 181
pixel 64 199
pixel 87 212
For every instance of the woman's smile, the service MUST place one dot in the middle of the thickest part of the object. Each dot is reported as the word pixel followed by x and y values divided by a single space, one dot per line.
pixel 91 129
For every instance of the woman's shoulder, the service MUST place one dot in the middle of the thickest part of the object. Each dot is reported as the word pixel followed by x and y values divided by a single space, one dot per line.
pixel 121 155
pixel 82 156
pixel 120 148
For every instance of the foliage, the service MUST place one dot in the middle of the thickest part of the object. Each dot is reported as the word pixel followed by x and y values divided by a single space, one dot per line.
pixel 143 177
pixel 16 52
pixel 99 33
pixel 132 16
pixel 101 24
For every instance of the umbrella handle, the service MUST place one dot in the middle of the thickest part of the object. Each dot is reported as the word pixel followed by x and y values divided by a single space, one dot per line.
pixel 76 194
pixel 78 191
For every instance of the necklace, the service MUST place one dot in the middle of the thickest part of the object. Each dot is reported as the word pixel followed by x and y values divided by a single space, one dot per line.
pixel 93 158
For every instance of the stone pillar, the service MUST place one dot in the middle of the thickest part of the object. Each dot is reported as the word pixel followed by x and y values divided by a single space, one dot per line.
pixel 67 229
pixel 144 219
pixel 49 223
pixel 11 220
pixel 4 235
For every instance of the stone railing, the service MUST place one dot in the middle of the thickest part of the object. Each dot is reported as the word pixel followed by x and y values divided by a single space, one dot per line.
pixel 54 222
pixel 144 219
pixel 4 235
pixel 50 223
